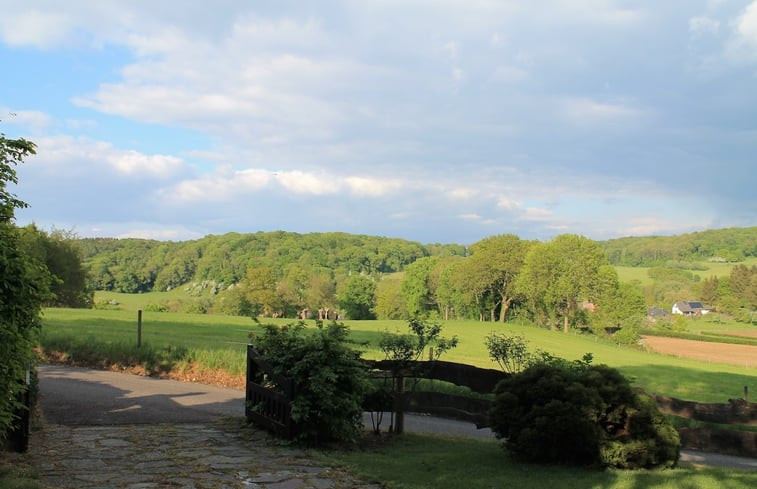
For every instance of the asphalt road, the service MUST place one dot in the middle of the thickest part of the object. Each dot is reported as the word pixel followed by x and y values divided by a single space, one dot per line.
pixel 79 396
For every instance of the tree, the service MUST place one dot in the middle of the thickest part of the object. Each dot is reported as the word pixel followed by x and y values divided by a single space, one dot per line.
pixel 416 288
pixel 709 292
pixel 23 289
pixel 60 254
pixel 357 297
pixel 390 303
pixel 260 285
pixel 494 267
pixel 557 276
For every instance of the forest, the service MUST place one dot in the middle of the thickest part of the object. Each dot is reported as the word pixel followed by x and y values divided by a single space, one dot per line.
pixel 567 282
pixel 715 245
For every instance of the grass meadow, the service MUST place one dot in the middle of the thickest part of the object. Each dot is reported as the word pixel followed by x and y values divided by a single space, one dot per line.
pixel 172 340
pixel 628 274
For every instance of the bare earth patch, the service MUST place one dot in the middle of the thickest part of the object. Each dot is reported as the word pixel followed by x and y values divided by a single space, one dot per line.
pixel 741 355
pixel 746 334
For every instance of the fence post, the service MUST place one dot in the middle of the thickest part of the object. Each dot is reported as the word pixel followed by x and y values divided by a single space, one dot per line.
pixel 399 417
pixel 139 328
pixel 746 393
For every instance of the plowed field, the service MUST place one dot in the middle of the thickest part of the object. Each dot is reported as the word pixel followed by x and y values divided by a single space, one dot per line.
pixel 742 355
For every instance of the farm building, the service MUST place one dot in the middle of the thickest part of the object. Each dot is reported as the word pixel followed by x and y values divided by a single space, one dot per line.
pixel 690 308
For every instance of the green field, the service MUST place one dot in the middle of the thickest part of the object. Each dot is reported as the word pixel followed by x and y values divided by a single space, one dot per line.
pixel 628 274
pixel 215 341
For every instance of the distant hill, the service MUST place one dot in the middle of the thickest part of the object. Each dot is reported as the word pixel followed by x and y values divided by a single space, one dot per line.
pixel 140 265
pixel 719 245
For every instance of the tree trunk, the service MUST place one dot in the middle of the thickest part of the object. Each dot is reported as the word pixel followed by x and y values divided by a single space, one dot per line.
pixel 505 307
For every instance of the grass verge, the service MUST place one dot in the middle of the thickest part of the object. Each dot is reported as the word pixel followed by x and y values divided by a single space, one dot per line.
pixel 16 472
pixel 415 461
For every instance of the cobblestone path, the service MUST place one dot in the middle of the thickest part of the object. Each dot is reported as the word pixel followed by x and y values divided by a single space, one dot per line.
pixel 189 456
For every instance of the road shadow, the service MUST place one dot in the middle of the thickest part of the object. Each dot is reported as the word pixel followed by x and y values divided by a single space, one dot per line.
pixel 76 396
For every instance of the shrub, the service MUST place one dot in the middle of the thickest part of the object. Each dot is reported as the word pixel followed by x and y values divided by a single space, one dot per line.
pixel 330 380
pixel 509 351
pixel 580 414
pixel 152 307
pixel 626 336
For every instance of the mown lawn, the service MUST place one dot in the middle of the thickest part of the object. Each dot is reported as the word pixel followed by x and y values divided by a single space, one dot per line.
pixel 415 461
pixel 219 342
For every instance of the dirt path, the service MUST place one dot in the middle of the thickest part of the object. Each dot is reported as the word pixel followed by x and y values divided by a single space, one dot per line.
pixel 741 355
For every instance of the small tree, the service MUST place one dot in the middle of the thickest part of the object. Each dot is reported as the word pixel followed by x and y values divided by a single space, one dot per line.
pixel 406 351
pixel 330 380
pixel 509 351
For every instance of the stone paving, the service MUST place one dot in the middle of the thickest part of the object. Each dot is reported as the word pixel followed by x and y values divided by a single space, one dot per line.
pixel 188 456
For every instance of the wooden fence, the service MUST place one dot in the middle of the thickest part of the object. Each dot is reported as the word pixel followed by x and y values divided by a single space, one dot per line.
pixel 268 396
pixel 465 408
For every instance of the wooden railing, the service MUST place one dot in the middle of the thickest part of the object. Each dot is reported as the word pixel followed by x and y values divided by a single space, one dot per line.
pixel 268 396
pixel 465 408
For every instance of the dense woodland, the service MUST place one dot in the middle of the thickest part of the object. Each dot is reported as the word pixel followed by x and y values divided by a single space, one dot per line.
pixel 564 283
pixel 725 245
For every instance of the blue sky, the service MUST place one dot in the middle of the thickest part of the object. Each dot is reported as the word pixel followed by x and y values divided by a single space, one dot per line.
pixel 430 120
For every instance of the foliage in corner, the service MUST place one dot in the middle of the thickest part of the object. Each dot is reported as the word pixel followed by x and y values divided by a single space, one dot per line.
pixel 575 413
pixel 23 289
pixel 330 380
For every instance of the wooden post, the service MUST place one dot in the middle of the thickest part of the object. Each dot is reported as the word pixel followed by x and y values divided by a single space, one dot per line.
pixel 746 393
pixel 399 419
pixel 139 328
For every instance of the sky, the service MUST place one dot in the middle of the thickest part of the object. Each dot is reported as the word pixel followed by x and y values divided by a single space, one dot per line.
pixel 430 120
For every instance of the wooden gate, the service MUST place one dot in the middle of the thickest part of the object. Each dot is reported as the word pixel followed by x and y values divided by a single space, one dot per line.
pixel 268 396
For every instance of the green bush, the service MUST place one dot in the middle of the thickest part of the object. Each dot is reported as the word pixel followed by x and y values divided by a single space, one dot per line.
pixel 330 380
pixel 580 414
pixel 24 287
pixel 152 307
pixel 626 336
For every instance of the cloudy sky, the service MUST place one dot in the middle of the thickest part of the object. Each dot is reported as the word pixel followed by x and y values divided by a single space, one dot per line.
pixel 431 120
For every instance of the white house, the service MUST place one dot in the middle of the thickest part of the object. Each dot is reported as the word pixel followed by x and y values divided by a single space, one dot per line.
pixel 689 308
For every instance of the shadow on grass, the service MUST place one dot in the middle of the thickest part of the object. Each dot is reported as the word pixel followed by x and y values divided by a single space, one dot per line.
pixel 691 384
pixel 442 462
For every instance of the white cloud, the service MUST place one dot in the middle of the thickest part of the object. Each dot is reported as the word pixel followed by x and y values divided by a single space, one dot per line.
pixel 132 163
pixel 746 24
pixel 34 28
pixel 508 204
pixel 82 156
pixel 537 214
pixel 32 119
pixel 703 25
pixel 590 111
pixel 372 187
pixel 742 47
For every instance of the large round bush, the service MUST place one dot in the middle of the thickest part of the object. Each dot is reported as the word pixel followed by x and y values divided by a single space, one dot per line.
pixel 581 414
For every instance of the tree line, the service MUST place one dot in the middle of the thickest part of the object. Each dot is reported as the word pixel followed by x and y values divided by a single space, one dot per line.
pixel 720 245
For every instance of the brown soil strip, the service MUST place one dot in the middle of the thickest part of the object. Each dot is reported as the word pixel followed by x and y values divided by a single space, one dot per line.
pixel 741 355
